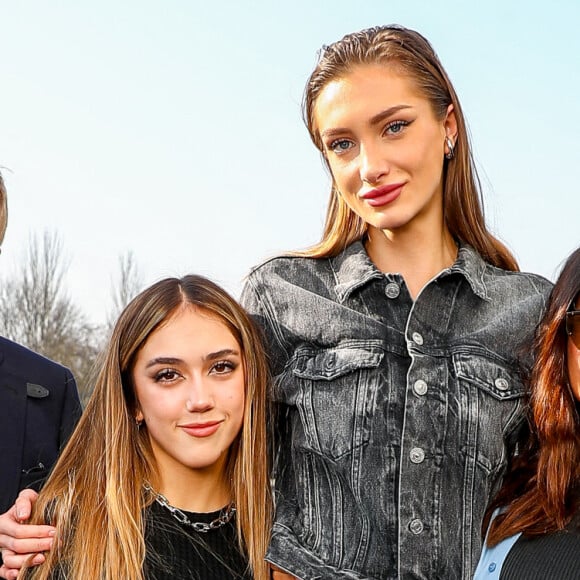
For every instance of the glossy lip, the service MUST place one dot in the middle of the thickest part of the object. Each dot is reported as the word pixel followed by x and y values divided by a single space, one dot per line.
pixel 382 195
pixel 201 429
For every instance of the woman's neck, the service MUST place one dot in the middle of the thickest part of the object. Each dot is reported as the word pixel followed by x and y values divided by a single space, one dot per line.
pixel 416 255
pixel 195 490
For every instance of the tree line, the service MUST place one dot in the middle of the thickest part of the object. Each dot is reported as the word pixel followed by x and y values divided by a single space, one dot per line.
pixel 37 311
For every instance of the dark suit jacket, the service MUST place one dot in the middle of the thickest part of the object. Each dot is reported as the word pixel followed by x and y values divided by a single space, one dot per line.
pixel 39 408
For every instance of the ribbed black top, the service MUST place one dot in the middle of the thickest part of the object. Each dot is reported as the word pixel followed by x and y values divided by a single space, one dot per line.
pixel 551 557
pixel 176 552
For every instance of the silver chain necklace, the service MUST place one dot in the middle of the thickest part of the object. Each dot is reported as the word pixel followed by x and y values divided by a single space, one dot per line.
pixel 225 515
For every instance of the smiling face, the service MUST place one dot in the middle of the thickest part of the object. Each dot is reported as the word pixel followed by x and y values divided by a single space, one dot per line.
pixel 189 384
pixel 385 146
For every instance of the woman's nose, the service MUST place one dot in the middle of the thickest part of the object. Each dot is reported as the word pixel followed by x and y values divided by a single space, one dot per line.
pixel 373 164
pixel 199 398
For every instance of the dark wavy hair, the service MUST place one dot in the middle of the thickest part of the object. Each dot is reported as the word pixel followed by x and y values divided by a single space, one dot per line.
pixel 537 490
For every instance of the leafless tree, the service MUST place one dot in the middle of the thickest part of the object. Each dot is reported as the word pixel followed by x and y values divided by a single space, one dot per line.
pixel 36 311
pixel 127 285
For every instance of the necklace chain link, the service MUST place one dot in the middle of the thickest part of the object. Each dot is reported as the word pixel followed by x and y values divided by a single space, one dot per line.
pixel 225 515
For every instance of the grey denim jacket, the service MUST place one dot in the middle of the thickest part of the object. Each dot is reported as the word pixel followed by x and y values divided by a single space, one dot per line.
pixel 393 415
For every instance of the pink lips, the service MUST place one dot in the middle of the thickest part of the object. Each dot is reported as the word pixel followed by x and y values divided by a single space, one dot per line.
pixel 383 195
pixel 201 429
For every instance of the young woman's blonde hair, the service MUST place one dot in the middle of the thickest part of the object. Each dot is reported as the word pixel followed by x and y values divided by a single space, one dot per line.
pixel 412 55
pixel 95 494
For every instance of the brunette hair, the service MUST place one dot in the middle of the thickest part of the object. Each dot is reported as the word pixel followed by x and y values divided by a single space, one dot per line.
pixel 537 490
pixel 95 494
pixel 410 53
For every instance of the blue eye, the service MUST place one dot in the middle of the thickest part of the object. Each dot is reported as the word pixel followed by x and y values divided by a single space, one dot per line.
pixel 395 127
pixel 340 146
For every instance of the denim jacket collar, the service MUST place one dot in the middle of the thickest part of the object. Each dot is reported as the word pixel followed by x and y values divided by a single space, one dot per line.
pixel 353 269
pixel 472 266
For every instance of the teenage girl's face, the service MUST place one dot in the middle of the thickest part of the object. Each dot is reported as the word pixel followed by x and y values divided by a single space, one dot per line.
pixel 189 383
pixel 574 361
pixel 384 146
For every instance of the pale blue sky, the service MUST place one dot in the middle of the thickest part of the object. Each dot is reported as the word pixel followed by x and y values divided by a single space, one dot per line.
pixel 173 128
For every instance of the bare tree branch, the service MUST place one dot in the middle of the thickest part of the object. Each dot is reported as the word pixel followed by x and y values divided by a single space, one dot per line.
pixel 127 285
pixel 36 311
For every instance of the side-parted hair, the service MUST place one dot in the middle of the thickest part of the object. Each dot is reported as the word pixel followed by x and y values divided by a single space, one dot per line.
pixel 411 54
pixel 95 494
pixel 537 490
pixel 3 209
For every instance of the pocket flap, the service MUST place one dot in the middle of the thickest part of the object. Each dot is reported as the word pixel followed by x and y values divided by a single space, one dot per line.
pixel 499 380
pixel 330 363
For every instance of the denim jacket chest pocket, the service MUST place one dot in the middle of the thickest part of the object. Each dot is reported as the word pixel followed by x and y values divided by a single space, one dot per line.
pixel 334 392
pixel 490 392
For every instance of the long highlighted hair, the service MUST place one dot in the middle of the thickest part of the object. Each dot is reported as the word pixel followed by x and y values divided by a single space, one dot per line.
pixel 412 55
pixel 538 487
pixel 95 493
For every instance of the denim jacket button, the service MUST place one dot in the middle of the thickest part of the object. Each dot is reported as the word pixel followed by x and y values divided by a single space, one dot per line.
pixel 417 455
pixel 416 526
pixel 420 387
pixel 330 362
pixel 392 290
pixel 417 338
pixel 502 384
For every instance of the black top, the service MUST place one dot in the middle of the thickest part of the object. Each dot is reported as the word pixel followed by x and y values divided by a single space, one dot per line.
pixel 551 557
pixel 175 551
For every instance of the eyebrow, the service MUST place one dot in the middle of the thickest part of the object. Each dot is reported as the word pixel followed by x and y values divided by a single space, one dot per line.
pixel 375 120
pixel 387 113
pixel 163 360
pixel 221 353
pixel 168 360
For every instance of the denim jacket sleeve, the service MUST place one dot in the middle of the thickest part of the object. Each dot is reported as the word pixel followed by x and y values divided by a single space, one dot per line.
pixel 258 305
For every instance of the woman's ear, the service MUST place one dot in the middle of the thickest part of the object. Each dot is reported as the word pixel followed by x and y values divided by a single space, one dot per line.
pixel 450 124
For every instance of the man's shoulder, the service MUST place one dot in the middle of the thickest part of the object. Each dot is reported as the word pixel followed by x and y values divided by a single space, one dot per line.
pixel 21 360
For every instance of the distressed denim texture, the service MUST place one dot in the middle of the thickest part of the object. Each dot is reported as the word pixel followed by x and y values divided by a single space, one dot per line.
pixel 393 415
